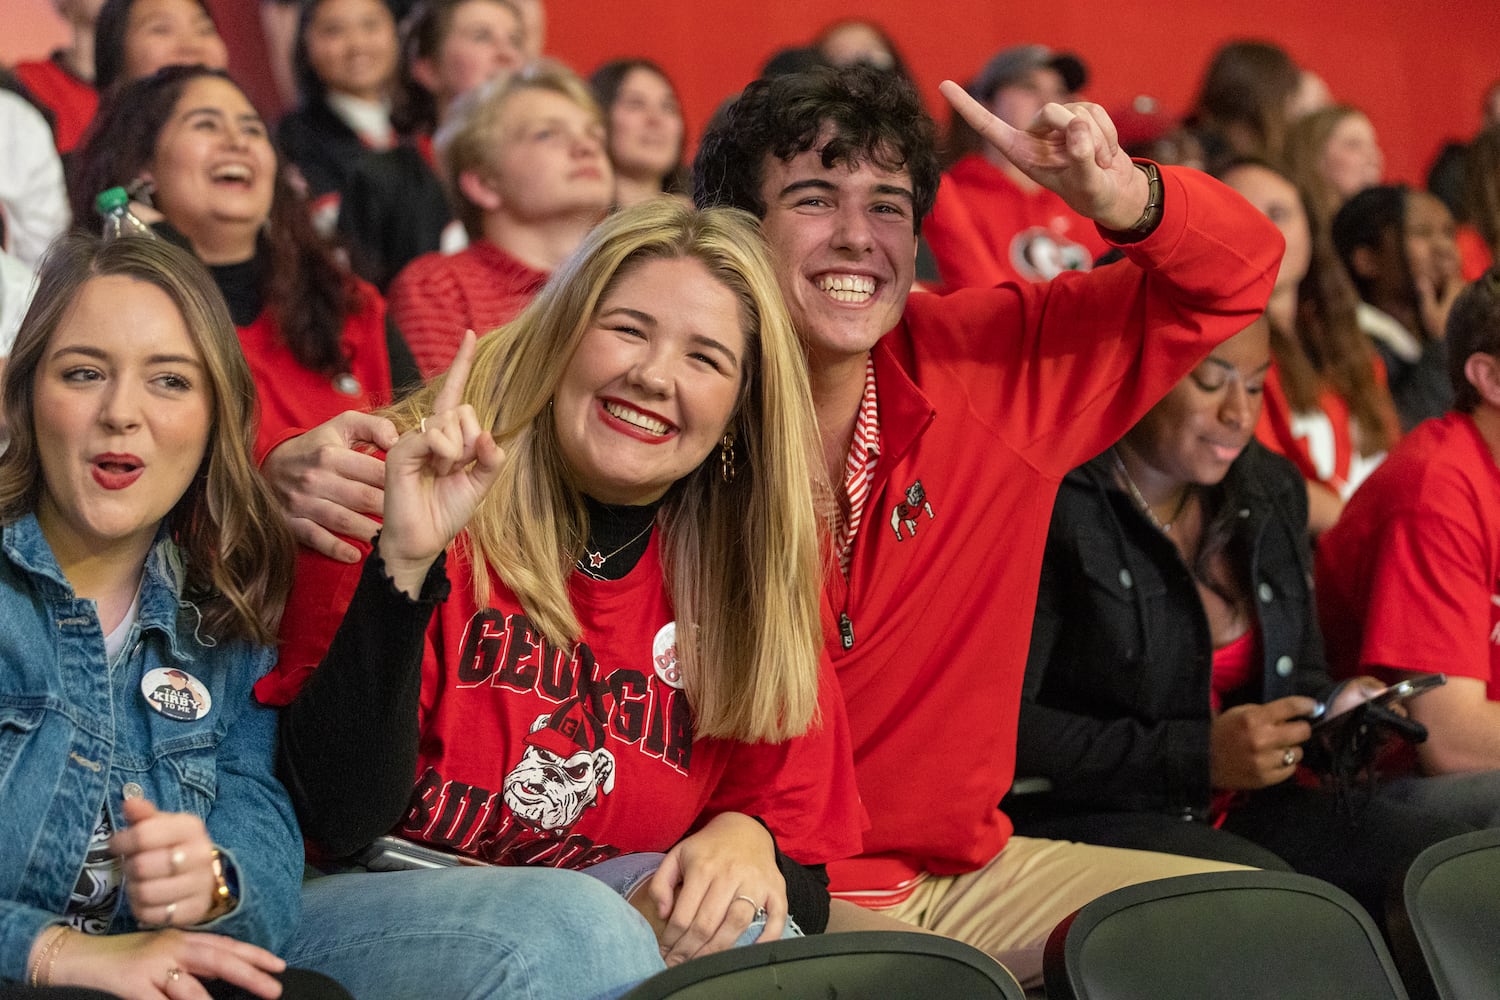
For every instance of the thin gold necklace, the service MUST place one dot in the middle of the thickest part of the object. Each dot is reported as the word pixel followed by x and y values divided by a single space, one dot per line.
pixel 1140 501
pixel 596 560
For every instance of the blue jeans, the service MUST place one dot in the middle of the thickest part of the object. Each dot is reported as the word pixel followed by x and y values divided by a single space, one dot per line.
pixel 471 934
pixel 626 872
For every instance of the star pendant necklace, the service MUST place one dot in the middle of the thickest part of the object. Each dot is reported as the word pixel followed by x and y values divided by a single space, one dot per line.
pixel 1140 501
pixel 596 560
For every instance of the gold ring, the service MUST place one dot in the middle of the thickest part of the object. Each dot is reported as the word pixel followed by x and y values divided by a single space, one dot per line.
pixel 174 974
pixel 177 859
pixel 171 912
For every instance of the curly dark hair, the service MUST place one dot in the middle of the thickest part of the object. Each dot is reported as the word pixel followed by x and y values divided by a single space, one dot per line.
pixel 309 294
pixel 873 116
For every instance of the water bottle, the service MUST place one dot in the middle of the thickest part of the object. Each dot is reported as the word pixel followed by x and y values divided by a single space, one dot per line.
pixel 114 204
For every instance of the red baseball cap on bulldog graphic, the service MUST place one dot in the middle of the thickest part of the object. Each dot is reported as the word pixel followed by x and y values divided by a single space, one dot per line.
pixel 569 729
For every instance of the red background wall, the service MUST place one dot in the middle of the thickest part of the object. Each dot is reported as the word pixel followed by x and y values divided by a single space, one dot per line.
pixel 1419 70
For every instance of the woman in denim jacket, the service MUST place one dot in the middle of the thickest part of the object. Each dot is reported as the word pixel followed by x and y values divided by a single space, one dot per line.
pixel 143 569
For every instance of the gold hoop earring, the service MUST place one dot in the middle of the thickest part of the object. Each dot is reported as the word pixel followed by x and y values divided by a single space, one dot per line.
pixel 726 458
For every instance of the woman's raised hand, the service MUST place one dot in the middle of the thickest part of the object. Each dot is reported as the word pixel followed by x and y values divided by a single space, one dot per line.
pixel 435 477
pixel 713 884
pixel 159 965
pixel 1071 149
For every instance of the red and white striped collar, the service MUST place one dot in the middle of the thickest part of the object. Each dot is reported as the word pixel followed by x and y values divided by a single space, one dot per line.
pixel 859 469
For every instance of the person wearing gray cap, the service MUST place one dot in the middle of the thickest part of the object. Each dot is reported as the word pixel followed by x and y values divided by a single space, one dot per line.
pixel 991 222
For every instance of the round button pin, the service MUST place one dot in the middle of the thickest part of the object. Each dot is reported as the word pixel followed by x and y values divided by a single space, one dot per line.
pixel 176 694
pixel 664 656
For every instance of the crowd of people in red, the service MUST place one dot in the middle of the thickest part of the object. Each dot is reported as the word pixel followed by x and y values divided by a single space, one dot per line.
pixel 587 561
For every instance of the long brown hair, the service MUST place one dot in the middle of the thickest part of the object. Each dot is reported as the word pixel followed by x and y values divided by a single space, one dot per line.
pixel 414 110
pixel 1246 90
pixel 236 546
pixel 606 81
pixel 1306 145
pixel 1327 347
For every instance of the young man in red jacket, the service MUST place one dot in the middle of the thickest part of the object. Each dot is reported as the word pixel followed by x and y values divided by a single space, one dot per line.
pixel 947 424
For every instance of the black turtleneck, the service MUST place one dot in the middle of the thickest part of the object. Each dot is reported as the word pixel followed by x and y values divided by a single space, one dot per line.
pixel 619 532
pixel 240 283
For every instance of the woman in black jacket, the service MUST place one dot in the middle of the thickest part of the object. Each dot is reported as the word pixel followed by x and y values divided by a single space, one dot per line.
pixel 1176 656
pixel 345 58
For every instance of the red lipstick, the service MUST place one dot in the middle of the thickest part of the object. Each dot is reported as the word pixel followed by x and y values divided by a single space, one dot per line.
pixel 631 430
pixel 116 472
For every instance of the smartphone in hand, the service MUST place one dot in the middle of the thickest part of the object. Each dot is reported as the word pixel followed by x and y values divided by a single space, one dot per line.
pixel 1395 694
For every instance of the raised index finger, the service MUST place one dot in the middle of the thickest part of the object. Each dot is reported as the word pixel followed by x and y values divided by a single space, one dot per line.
pixel 994 131
pixel 451 395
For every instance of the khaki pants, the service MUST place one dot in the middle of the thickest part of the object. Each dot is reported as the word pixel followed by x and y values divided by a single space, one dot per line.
pixel 1009 907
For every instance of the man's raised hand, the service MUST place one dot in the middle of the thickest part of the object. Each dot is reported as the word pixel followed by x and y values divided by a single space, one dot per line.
pixel 1071 149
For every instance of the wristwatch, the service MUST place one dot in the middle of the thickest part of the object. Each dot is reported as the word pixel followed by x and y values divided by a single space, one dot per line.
pixel 226 891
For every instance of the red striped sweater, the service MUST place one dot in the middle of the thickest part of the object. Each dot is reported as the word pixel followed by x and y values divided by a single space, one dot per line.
pixel 437 297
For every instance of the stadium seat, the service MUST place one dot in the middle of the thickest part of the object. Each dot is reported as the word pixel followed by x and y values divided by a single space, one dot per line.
pixel 1250 935
pixel 1447 918
pixel 852 966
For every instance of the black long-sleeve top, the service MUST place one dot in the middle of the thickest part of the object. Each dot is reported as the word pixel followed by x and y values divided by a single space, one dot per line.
pixel 349 741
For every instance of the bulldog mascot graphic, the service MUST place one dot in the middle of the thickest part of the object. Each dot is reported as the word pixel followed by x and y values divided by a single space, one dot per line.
pixel 564 770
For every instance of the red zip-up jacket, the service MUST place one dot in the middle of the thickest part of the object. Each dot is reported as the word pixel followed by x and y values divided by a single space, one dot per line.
pixel 987 398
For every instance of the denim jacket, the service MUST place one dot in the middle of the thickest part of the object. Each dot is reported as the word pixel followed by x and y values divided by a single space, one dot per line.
pixel 77 736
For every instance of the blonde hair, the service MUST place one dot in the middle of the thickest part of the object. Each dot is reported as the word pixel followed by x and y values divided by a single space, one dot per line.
pixel 1306 145
pixel 236 545
pixel 741 558
pixel 468 140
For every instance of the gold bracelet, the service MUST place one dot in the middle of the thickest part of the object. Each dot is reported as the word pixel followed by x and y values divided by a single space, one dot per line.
pixel 41 972
pixel 222 899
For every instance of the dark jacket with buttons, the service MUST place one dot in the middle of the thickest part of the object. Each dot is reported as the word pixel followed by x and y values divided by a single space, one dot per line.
pixel 1115 712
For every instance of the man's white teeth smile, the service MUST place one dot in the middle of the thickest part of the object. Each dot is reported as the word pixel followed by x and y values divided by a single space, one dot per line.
pixel 847 287
pixel 635 418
